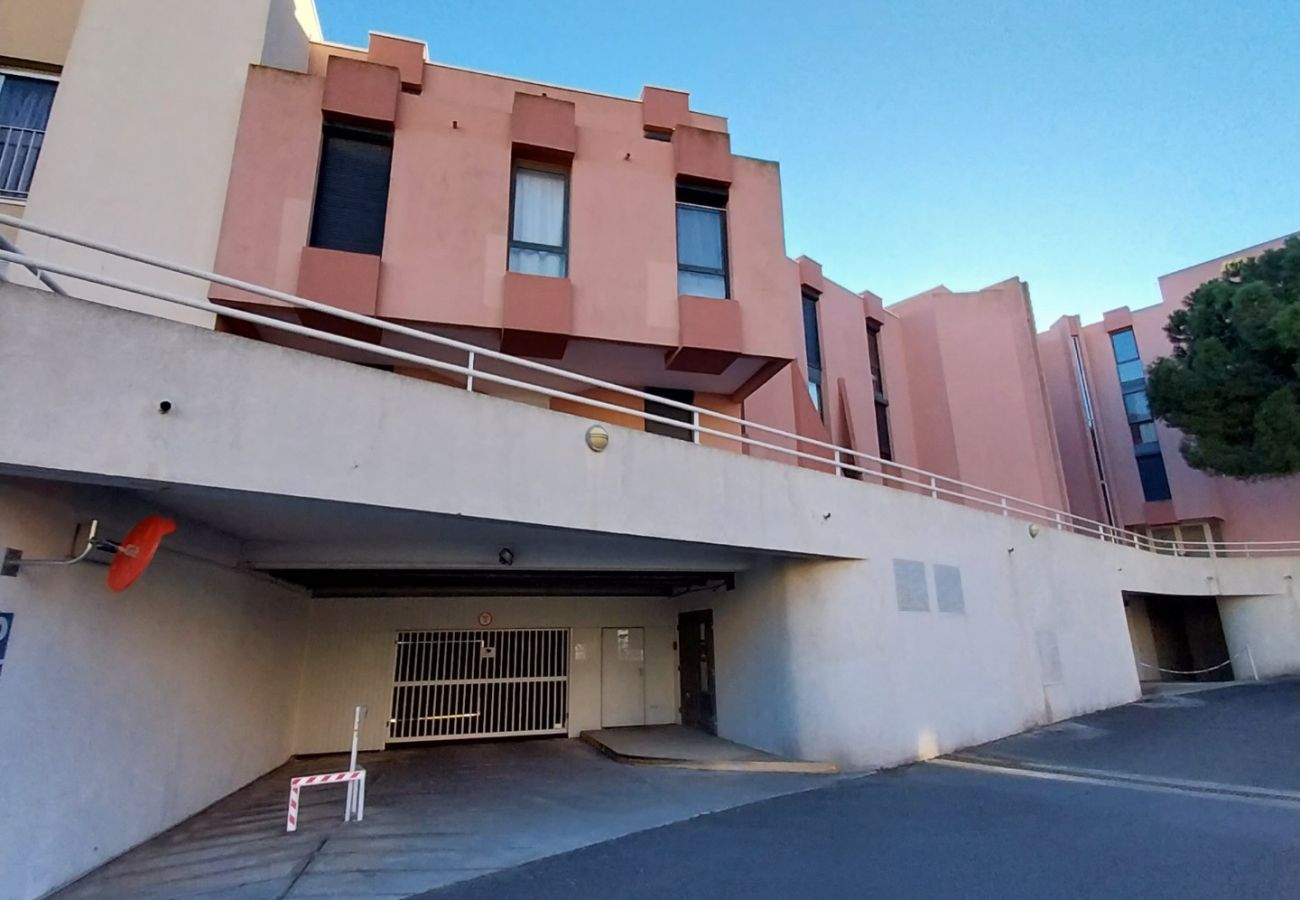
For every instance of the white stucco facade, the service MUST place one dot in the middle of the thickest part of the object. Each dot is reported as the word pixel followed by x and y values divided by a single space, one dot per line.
pixel 138 147
pixel 122 714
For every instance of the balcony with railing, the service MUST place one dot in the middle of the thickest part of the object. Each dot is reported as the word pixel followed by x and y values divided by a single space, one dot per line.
pixel 19 150
pixel 475 368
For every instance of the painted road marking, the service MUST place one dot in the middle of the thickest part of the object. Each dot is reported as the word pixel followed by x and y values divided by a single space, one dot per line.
pixel 1133 780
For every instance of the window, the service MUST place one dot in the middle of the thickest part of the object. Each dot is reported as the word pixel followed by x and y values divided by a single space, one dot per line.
pixel 352 189
pixel 812 343
pixel 1137 408
pixel 24 112
pixel 702 241
pixel 878 390
pixel 671 412
pixel 539 222
pixel 1189 538
pixel 1155 481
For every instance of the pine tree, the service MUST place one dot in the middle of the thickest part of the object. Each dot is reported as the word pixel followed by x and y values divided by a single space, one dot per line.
pixel 1232 384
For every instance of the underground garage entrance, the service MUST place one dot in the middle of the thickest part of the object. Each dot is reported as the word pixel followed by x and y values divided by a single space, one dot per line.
pixel 1178 638
pixel 451 656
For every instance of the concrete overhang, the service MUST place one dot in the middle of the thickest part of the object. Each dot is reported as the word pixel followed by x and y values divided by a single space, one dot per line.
pixel 85 383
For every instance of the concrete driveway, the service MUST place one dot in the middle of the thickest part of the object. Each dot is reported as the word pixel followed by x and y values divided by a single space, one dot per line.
pixel 433 817
pixel 1178 800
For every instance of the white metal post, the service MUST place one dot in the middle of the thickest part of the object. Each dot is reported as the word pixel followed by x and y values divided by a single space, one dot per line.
pixel 934 488
pixel 469 378
pixel 356 789
pixel 1005 511
pixel 839 470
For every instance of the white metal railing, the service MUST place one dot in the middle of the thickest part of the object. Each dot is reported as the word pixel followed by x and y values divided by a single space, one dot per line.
pixel 819 454
pixel 19 150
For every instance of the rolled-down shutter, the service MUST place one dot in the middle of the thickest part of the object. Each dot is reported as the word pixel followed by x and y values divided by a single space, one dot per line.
pixel 352 190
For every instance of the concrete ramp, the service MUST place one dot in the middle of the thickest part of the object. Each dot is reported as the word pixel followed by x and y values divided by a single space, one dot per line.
pixel 677 746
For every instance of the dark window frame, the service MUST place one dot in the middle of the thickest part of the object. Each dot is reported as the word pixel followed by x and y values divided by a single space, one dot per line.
pixel 810 298
pixel 875 361
pixel 681 395
pixel 511 243
pixel 1152 473
pixel 361 134
pixel 16 180
pixel 714 198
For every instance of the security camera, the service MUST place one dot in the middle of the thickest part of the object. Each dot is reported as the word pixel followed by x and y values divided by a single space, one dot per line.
pixel 506 557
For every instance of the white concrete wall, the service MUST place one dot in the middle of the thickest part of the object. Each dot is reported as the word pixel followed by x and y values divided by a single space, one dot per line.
pixel 350 656
pixel 142 133
pixel 816 659
pixel 1265 629
pixel 814 656
pixel 122 714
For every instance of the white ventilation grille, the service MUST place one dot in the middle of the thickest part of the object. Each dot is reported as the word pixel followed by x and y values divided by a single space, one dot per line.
pixel 910 587
pixel 948 595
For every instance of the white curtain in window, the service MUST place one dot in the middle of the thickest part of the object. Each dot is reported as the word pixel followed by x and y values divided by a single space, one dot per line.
pixel 699 237
pixel 536 262
pixel 700 284
pixel 539 208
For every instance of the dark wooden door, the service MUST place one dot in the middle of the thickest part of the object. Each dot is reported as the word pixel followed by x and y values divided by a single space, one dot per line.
pixel 695 664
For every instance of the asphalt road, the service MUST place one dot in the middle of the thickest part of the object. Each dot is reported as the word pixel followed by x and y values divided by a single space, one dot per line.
pixel 1162 800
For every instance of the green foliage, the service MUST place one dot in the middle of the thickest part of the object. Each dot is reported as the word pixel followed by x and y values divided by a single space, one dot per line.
pixel 1232 385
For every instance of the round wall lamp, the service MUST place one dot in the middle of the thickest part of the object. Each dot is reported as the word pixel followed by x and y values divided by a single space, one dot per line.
pixel 597 438
pixel 1034 530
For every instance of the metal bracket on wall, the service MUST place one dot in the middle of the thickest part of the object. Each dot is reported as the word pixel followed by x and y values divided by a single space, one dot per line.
pixel 13 558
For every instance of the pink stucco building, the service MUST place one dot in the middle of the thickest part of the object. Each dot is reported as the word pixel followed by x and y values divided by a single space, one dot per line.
pixel 1123 467
pixel 622 238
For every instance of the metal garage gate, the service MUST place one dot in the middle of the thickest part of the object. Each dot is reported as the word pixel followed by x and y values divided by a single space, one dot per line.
pixel 453 685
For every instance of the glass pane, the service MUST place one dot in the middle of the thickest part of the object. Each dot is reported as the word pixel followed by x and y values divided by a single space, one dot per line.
pixel 699 284
pixel 1155 483
pixel 655 408
pixel 815 391
pixel 1124 344
pixel 811 338
pixel 699 237
pixel 1144 433
pixel 537 262
pixel 539 207
pixel 1137 406
pixel 1131 371
pixel 882 431
pixel 26 102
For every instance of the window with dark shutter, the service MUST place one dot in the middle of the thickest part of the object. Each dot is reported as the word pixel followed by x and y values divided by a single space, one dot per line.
pixel 812 344
pixel 663 410
pixel 352 190
pixel 878 390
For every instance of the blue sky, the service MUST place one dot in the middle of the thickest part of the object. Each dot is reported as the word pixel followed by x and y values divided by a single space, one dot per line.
pixel 1087 147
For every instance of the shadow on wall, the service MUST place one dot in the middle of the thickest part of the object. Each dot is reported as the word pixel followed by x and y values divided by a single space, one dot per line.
pixel 755 681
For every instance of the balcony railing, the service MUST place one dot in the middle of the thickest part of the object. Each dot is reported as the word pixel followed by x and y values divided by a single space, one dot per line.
pixel 19 150
pixel 482 365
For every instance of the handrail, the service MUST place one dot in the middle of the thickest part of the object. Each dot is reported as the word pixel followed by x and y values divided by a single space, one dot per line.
pixel 6 244
pixel 887 471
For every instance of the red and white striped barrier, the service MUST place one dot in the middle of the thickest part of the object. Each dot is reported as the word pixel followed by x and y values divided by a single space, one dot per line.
pixel 356 802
